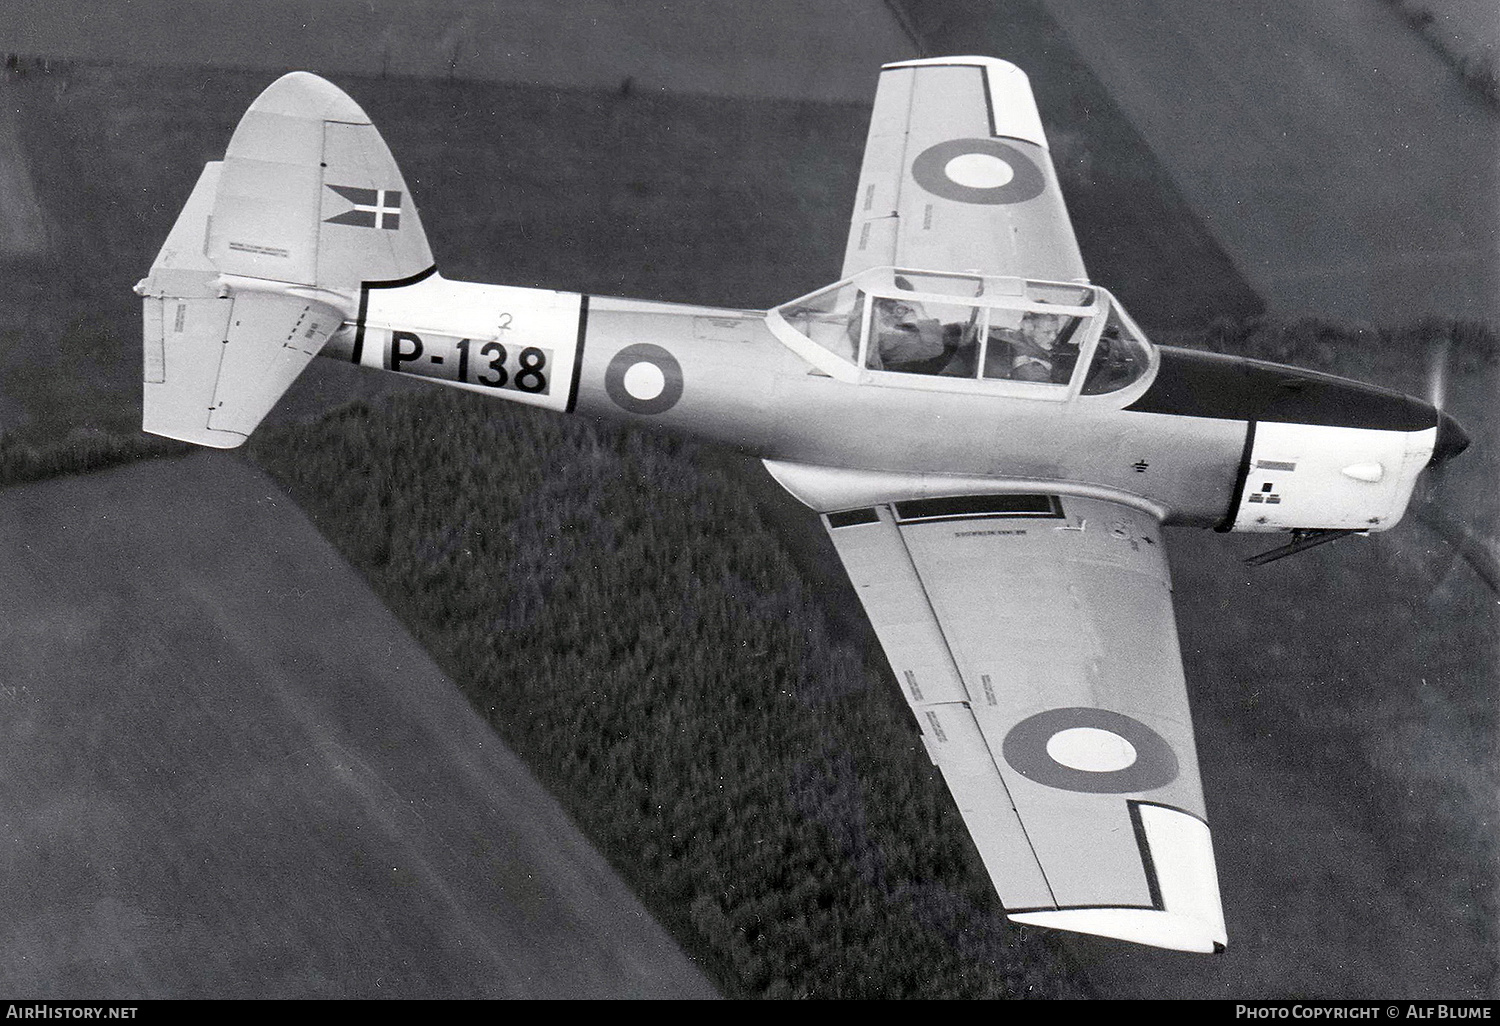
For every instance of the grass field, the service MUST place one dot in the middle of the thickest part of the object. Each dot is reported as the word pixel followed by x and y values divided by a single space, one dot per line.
pixel 1277 123
pixel 777 48
pixel 230 773
pixel 1465 32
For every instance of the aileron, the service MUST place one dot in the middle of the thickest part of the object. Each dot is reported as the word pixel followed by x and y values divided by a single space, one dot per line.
pixel 1186 912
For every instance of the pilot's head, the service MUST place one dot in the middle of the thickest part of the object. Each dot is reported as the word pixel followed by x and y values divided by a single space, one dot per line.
pixel 897 312
pixel 1042 328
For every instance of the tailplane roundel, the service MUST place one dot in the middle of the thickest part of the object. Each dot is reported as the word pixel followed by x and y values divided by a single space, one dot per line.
pixel 267 260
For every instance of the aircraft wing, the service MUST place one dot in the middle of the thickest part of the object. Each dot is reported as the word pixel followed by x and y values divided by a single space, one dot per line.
pixel 957 176
pixel 1033 637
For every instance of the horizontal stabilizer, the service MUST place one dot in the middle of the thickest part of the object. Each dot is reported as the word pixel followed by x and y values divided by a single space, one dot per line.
pixel 216 365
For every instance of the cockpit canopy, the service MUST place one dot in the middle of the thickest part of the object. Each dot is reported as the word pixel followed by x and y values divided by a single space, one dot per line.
pixel 908 325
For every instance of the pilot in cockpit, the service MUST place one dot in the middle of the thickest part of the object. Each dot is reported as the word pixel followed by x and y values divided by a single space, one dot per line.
pixel 1040 350
pixel 903 337
pixel 1034 354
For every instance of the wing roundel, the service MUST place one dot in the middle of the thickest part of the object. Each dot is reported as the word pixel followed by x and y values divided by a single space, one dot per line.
pixel 957 176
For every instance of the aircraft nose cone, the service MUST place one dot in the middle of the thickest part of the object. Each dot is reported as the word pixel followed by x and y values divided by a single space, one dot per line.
pixel 1452 439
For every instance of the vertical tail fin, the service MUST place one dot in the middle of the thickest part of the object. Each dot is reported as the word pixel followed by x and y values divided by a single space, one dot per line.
pixel 267 260
pixel 310 194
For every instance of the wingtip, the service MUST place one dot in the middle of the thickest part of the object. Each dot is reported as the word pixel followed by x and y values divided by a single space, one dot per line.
pixel 1156 928
pixel 996 65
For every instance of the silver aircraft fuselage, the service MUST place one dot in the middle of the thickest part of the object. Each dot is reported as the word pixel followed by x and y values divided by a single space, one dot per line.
pixel 1190 440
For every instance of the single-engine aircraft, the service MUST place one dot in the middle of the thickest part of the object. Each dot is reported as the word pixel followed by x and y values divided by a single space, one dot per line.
pixel 992 442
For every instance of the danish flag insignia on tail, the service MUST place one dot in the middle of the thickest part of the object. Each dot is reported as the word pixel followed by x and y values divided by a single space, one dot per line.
pixel 373 208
